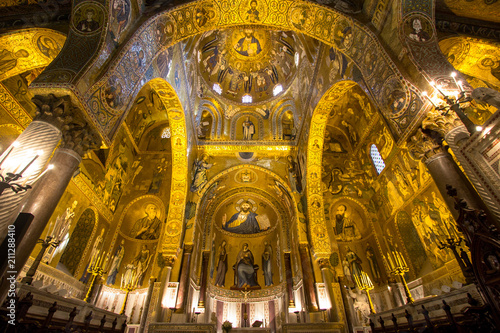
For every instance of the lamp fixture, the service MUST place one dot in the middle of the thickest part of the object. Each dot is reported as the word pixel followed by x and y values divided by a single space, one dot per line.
pixel 454 100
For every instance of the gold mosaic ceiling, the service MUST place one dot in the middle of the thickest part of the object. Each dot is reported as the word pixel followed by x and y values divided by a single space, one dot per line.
pixel 246 65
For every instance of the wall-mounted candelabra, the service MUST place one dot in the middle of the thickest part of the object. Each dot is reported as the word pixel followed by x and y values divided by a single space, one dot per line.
pixel 48 241
pixel 128 283
pixel 95 269
pixel 397 266
pixel 16 177
pixel 364 283
pixel 463 260
pixel 454 99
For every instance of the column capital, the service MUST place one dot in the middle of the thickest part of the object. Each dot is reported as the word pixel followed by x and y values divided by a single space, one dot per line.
pixel 188 248
pixel 323 263
pixel 169 260
pixel 57 111
pixel 60 112
pixel 304 247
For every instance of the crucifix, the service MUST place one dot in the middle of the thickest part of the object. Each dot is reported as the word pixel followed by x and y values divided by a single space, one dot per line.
pixel 245 292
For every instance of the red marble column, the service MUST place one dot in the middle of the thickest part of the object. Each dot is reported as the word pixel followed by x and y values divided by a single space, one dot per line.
pixel 184 279
pixel 289 281
pixel 204 278
pixel 308 278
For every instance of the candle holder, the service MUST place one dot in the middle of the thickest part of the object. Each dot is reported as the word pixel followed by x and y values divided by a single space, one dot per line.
pixel 127 288
pixel 95 270
pixel 9 179
pixel 452 244
pixel 364 283
pixel 397 266
pixel 453 102
pixel 49 241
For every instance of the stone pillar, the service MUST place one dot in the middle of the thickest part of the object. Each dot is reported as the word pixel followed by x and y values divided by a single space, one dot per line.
pixel 40 138
pixel 204 278
pixel 184 279
pixel 337 310
pixel 147 301
pixel 427 144
pixel 165 279
pixel 289 281
pixel 308 278
pixel 77 138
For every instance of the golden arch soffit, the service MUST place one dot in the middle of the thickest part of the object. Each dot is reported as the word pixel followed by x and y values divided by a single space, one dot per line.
pixel 172 235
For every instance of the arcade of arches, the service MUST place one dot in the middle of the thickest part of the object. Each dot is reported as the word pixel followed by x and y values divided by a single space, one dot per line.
pixel 256 164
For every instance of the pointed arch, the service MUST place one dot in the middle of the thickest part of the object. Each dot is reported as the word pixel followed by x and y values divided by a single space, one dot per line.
pixel 277 115
pixel 317 226
pixel 213 107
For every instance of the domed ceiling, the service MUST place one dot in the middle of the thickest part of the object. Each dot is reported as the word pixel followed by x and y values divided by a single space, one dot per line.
pixel 248 66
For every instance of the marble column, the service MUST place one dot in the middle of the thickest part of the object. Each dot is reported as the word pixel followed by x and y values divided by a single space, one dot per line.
pixel 204 278
pixel 428 144
pixel 336 312
pixel 289 281
pixel 40 138
pixel 169 261
pixel 184 279
pixel 147 301
pixel 77 138
pixel 308 278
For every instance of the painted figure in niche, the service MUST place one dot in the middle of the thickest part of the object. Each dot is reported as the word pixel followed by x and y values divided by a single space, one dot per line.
pixel 347 271
pixel 354 262
pixel 212 258
pixel 248 45
pixel 147 227
pixel 392 194
pixel 294 174
pixel 245 271
pixel 418 34
pixel 121 13
pixel 384 143
pixel 402 182
pixel 248 129
pixel 246 221
pixel 346 37
pixel 112 95
pixel 253 13
pixel 267 268
pixel 141 261
pixel 200 173
pixel 116 263
pixel 351 132
pixel 94 257
pixel 445 215
pixel 332 145
pixel 492 261
pixel 61 232
pixel 338 63
pixel 372 261
pixel 129 276
pixel 158 175
pixel 88 24
pixel 8 59
pixel 493 65
pixel 397 99
pixel 48 46
pixel 220 276
pixel 345 228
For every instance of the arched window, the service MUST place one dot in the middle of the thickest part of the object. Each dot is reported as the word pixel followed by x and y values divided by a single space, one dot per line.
pixel 377 159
